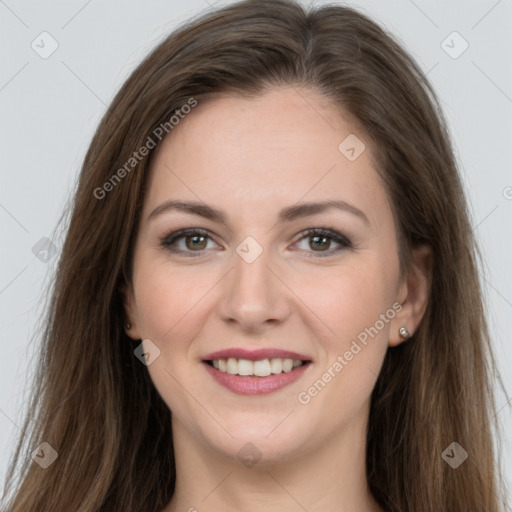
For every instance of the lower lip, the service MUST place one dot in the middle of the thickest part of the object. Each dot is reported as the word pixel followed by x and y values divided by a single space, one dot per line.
pixel 252 385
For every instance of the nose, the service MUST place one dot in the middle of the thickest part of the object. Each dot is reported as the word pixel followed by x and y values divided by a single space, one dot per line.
pixel 254 296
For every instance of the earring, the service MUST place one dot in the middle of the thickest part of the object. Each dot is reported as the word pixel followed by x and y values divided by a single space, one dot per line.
pixel 404 333
pixel 128 325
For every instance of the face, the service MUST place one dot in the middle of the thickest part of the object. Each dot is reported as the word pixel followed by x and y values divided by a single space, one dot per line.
pixel 258 280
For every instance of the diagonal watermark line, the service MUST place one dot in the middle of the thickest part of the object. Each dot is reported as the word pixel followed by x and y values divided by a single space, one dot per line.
pixel 492 81
pixel 286 491
pixel 15 424
pixel 280 423
pixel 185 185
pixel 108 107
pixel 427 421
pixel 198 402
pixel 327 327
pixel 492 420
pixel 313 107
pixel 192 307
pixel 509 401
pixel 13 218
pixel 14 76
pixel 13 13
pixel 76 14
pixel 13 279
pixel 485 15
pixel 84 83
pixel 317 182
pixel 486 217
pixel 497 291
pixel 474 228
pixel 232 267
pixel 433 67
pixel 217 486
pixel 371 371
pixel 507 404
pixel 424 13
pixel 304 195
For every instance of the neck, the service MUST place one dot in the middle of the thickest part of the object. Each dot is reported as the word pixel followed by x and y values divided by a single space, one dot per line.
pixel 327 475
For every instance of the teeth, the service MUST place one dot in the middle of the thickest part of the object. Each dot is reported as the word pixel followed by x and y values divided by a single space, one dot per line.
pixel 232 366
pixel 276 366
pixel 287 365
pixel 261 368
pixel 245 367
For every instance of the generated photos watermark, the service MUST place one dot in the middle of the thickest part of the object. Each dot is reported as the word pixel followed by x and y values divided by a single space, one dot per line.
pixel 305 397
pixel 158 133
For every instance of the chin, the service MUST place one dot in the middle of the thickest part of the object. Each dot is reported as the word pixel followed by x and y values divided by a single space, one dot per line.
pixel 265 441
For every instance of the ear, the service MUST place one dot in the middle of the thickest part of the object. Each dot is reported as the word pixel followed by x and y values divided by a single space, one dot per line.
pixel 413 294
pixel 130 309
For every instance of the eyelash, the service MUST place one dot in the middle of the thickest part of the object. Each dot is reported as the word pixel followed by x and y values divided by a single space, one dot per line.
pixel 336 237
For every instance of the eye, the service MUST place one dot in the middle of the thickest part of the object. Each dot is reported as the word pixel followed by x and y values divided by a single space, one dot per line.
pixel 320 240
pixel 194 240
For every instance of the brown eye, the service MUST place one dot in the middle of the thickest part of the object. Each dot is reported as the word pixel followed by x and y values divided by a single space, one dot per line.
pixel 319 243
pixel 195 241
pixel 320 240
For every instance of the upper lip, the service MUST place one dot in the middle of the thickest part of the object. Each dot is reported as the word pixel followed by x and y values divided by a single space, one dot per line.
pixel 255 355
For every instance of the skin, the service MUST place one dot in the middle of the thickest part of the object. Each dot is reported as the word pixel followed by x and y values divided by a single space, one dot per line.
pixel 251 157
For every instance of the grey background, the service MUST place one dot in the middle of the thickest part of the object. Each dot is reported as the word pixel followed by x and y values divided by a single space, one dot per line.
pixel 50 108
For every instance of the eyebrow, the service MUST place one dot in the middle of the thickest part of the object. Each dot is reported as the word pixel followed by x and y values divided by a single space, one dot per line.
pixel 288 214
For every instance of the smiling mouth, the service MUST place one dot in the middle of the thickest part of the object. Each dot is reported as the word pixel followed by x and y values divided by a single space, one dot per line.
pixel 260 368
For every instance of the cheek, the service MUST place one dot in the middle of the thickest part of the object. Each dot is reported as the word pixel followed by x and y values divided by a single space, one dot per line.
pixel 167 296
pixel 355 302
pixel 350 298
pixel 356 305
pixel 169 304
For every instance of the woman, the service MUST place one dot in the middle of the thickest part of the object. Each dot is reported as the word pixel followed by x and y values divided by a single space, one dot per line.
pixel 200 353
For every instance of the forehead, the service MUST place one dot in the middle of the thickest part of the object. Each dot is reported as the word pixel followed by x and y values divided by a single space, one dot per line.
pixel 273 149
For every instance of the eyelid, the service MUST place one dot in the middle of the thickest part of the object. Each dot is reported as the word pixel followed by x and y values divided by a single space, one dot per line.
pixel 174 236
pixel 344 243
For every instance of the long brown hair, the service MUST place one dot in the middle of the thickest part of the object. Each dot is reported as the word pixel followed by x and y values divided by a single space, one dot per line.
pixel 94 402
